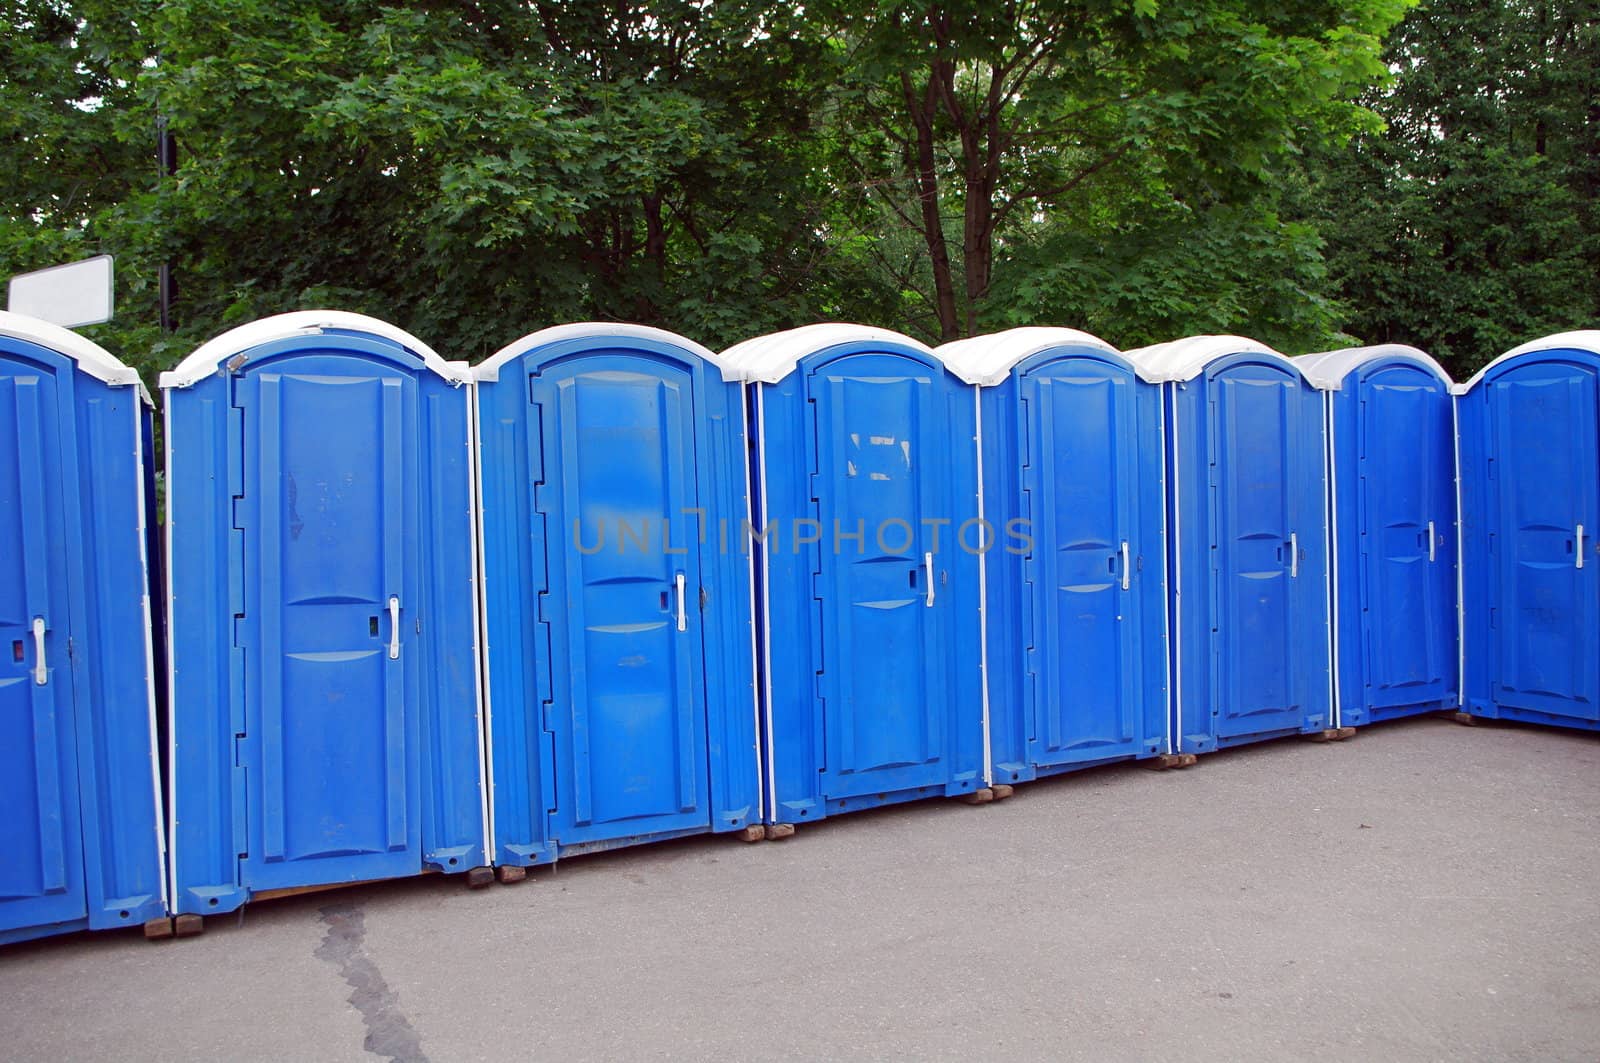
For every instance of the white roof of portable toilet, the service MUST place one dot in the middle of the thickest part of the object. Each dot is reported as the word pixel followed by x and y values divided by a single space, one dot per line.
pixel 90 356
pixel 988 360
pixel 768 359
pixel 1327 369
pixel 489 368
pixel 1187 358
pixel 1582 340
pixel 211 354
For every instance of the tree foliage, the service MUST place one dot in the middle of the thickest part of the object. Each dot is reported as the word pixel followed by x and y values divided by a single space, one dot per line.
pixel 994 129
pixel 1142 168
pixel 1471 223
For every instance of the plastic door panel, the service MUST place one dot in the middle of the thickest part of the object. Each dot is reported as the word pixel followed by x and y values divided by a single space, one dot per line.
pixel 41 863
pixel 1255 435
pixel 331 493
pixel 619 497
pixel 1079 479
pixel 1444 630
pixel 880 428
pixel 1544 606
pixel 1407 581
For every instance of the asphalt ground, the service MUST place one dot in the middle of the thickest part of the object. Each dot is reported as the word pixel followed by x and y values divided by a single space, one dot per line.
pixel 1424 891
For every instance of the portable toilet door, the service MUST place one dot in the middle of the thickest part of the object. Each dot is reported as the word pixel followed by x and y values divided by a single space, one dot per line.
pixel 869 545
pixel 324 717
pixel 1530 507
pixel 621 675
pixel 1390 424
pixel 1075 616
pixel 1247 552
pixel 79 765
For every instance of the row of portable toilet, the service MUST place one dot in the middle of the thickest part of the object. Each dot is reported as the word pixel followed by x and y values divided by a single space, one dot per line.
pixel 611 587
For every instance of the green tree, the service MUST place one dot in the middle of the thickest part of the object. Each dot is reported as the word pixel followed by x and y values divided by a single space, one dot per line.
pixel 475 170
pixel 78 148
pixel 1007 135
pixel 468 171
pixel 1471 222
pixel 492 168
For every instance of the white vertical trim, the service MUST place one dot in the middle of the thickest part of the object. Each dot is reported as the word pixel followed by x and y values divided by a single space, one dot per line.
pixel 1169 584
pixel 755 605
pixel 480 628
pixel 149 645
pixel 1330 543
pixel 1175 697
pixel 766 599
pixel 172 676
pixel 983 590
pixel 1461 568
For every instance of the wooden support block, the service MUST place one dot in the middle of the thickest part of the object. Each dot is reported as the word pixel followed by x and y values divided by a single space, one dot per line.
pixel 509 873
pixel 1162 761
pixel 978 797
pixel 755 832
pixel 776 832
pixel 1466 719
pixel 158 929
pixel 321 887
pixel 1328 735
pixel 188 926
pixel 1346 732
pixel 1002 790
pixel 479 877
pixel 1188 760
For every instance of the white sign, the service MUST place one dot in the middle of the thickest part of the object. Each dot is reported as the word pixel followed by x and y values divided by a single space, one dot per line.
pixel 78 293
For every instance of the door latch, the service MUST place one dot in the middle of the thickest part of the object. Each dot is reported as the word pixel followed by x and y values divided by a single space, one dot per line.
pixel 41 674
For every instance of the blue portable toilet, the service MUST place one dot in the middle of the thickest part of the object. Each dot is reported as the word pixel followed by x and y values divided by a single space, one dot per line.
pixel 79 765
pixel 1075 619
pixel 1247 549
pixel 324 719
pixel 1390 426
pixel 869 538
pixel 617 593
pixel 1530 510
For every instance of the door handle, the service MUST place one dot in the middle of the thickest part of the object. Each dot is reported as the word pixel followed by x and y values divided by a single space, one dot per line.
pixel 394 627
pixel 41 674
pixel 683 618
pixel 927 568
pixel 1579 555
pixel 1125 576
pixel 1432 542
pixel 1294 555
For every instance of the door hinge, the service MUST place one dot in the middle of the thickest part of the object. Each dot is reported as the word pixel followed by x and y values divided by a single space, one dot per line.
pixel 240 792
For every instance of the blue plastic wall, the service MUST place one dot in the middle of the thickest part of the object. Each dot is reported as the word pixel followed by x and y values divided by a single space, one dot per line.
pixel 1530 475
pixel 614 481
pixel 1077 644
pixel 874 695
pixel 1245 480
pixel 1394 510
pixel 78 779
pixel 311 483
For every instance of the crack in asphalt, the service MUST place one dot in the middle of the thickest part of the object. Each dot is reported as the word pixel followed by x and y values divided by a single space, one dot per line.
pixel 389 1032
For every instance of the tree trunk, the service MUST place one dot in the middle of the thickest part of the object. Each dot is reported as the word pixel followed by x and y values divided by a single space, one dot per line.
pixel 926 178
